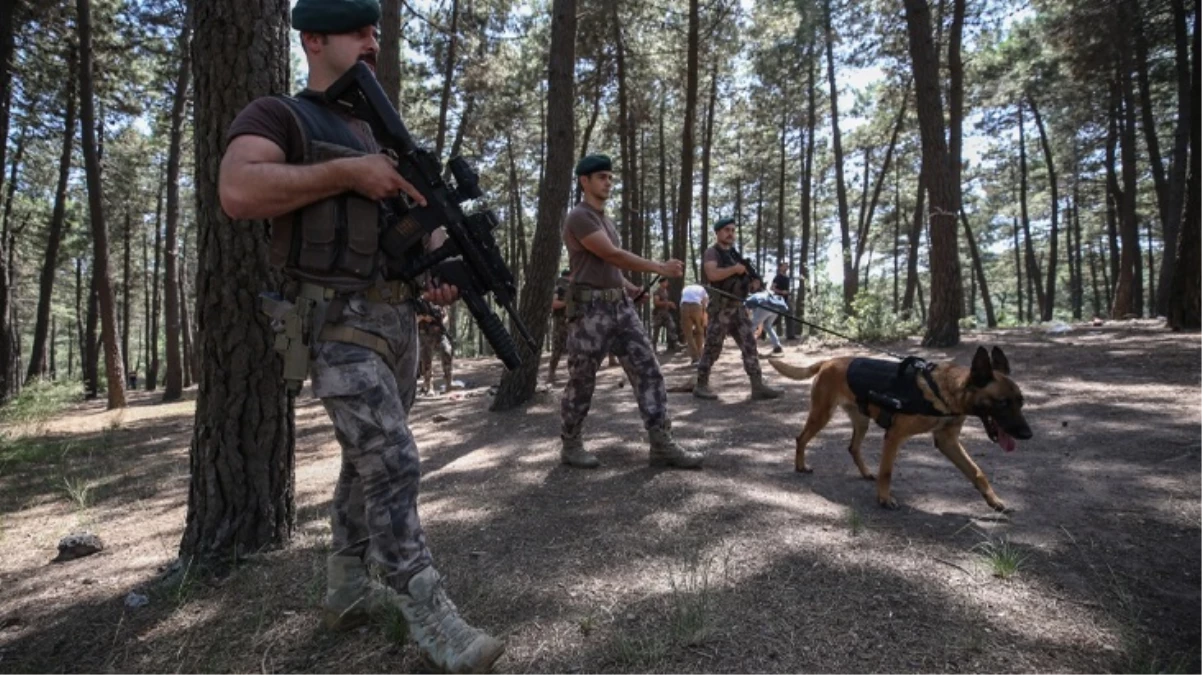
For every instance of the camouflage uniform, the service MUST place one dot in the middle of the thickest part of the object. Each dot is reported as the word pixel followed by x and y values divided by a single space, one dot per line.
pixel 368 397
pixel 559 327
pixel 433 337
pixel 663 319
pixel 601 328
pixel 728 317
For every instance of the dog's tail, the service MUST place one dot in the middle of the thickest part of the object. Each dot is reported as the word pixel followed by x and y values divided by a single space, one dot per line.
pixel 796 372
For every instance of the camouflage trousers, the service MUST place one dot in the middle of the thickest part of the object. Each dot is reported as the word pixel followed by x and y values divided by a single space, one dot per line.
pixel 600 329
pixel 368 397
pixel 663 320
pixel 432 341
pixel 731 319
pixel 559 338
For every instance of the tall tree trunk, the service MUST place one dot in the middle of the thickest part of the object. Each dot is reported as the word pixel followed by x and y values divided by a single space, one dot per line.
pixel 241 495
pixel 91 343
pixel 591 124
pixel 707 144
pixel 627 130
pixel 807 171
pixel 1178 162
pixel 190 365
pixel 1018 273
pixel 850 279
pixel 1107 279
pixel 1185 304
pixel 947 291
pixel 1128 294
pixel 1114 193
pixel 663 179
pixel 173 382
pixel 979 270
pixel 448 75
pixel 1151 268
pixel 1093 276
pixel 54 238
pixel 684 203
pixel 897 210
pixel 915 239
pixel 865 226
pixel 955 97
pixel 388 61
pixel 1152 142
pixel 1036 284
pixel 152 374
pixel 780 202
pixel 1050 293
pixel 1078 283
pixel 517 386
pixel 115 374
pixel 10 20
pixel 759 222
pixel 126 291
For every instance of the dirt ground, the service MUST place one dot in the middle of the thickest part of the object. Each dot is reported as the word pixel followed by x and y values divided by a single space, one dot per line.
pixel 743 567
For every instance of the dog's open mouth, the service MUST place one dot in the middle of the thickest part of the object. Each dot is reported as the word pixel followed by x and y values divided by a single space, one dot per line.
pixel 998 435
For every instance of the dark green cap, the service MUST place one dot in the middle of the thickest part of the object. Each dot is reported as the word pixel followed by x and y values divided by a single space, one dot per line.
pixel 723 222
pixel 334 16
pixel 593 164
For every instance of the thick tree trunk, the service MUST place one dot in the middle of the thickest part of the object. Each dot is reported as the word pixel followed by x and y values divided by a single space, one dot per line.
pixel 388 61
pixel 9 21
pixel 517 386
pixel 1185 304
pixel 850 279
pixel 448 75
pixel 241 495
pixel 1053 243
pixel 54 237
pixel 947 291
pixel 115 374
pixel 1178 162
pixel 173 382
pixel 1036 283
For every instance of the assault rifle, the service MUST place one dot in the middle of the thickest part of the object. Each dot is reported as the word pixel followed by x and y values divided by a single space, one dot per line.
pixel 470 258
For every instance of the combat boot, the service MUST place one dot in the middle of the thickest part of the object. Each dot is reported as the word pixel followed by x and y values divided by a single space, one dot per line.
pixel 574 454
pixel 353 597
pixel 666 452
pixel 444 639
pixel 701 388
pixel 761 391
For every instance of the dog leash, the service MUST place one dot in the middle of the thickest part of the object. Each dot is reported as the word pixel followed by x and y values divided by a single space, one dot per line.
pixel 645 289
pixel 803 322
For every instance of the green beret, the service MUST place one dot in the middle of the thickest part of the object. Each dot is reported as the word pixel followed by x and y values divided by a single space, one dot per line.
pixel 334 16
pixel 723 222
pixel 593 164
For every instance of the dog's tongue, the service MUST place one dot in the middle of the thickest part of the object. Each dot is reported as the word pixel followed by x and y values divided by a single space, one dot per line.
pixel 1006 441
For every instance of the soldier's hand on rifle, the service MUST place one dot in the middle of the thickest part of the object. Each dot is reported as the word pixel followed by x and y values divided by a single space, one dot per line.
pixel 375 177
pixel 740 268
pixel 673 269
pixel 441 294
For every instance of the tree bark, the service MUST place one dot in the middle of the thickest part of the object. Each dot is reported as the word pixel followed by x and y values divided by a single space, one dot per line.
pixel 979 270
pixel 241 494
pixel 807 171
pixel 115 374
pixel 448 75
pixel 124 315
pixel 663 180
pixel 1093 276
pixel 915 239
pixel 1018 273
pixel 1178 162
pixel 1128 294
pixel 955 97
pixel 1053 244
pixel 1035 282
pixel 947 292
pixel 707 146
pixel 174 379
pixel 152 373
pixel 517 386
pixel 54 237
pixel 91 343
pixel 388 61
pixel 684 203
pixel 9 22
pixel 627 132
pixel 1185 304
pixel 850 278
pixel 1152 142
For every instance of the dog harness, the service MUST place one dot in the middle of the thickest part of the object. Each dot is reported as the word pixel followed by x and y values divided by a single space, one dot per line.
pixel 895 388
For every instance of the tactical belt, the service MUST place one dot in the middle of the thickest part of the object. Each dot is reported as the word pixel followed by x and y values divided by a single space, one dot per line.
pixel 603 294
pixel 390 292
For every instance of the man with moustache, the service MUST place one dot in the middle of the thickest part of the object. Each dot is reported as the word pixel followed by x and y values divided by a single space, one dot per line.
pixel 319 176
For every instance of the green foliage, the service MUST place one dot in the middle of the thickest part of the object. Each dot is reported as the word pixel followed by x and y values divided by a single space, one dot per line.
pixel 40 400
pixel 874 321
pixel 1002 556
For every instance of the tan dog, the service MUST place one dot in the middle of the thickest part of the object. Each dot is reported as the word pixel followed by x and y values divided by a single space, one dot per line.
pixel 984 390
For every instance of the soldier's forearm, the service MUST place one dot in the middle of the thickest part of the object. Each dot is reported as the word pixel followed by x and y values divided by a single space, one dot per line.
pixel 263 190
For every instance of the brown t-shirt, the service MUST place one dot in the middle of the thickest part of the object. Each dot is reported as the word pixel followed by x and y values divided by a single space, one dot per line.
pixel 587 268
pixel 269 117
pixel 661 294
pixel 710 255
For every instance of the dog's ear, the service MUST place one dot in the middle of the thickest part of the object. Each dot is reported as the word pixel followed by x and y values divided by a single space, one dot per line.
pixel 982 369
pixel 1000 363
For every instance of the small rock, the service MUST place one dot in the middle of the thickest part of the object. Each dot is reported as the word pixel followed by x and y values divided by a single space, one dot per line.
pixel 440 419
pixel 88 582
pixel 78 545
pixel 1110 648
pixel 14 622
pixel 135 600
pixel 1064 424
pixel 476 555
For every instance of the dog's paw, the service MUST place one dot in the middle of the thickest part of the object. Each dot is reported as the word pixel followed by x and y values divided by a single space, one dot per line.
pixel 868 476
pixel 1001 507
pixel 888 503
pixel 803 469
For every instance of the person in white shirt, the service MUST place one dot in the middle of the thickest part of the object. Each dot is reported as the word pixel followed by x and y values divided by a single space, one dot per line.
pixel 693 318
pixel 761 317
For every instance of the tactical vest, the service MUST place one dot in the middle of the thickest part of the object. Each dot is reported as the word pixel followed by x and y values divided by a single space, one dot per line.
pixel 333 242
pixel 894 388
pixel 737 284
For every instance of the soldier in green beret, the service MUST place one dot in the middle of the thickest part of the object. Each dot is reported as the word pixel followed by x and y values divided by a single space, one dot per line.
pixel 602 320
pixel 318 175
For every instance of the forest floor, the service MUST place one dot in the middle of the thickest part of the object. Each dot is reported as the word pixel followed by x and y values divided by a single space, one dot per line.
pixel 745 566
